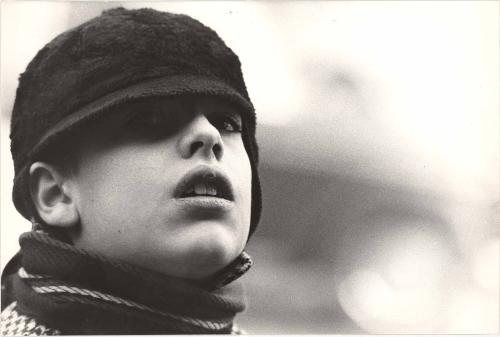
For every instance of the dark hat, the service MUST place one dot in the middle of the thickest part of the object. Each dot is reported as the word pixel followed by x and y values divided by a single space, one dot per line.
pixel 120 56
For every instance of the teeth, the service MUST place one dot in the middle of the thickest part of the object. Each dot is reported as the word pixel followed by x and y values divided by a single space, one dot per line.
pixel 211 190
pixel 200 189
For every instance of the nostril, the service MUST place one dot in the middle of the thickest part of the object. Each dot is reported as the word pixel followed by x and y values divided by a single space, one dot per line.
pixel 195 146
pixel 198 146
pixel 217 148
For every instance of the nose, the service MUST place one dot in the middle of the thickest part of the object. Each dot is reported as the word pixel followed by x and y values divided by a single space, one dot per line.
pixel 201 138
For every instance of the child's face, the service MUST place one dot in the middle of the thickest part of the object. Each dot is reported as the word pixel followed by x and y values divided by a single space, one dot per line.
pixel 135 203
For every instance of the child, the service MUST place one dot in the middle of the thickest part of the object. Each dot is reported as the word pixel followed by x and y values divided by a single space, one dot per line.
pixel 133 139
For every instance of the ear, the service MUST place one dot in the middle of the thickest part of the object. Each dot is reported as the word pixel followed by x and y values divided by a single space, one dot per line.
pixel 53 195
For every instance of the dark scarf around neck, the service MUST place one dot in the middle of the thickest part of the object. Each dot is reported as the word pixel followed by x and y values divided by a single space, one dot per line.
pixel 80 293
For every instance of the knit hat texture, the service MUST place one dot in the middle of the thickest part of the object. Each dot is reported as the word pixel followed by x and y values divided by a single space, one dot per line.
pixel 120 56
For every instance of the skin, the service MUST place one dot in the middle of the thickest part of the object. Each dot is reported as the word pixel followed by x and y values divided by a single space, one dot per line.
pixel 119 201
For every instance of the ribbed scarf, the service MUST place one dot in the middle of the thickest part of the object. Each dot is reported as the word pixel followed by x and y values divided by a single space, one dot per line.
pixel 81 293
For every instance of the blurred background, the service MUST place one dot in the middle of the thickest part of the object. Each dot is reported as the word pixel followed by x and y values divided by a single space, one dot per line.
pixel 379 138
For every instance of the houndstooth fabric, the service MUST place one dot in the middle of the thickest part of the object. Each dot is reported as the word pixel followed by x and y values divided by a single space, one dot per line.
pixel 15 324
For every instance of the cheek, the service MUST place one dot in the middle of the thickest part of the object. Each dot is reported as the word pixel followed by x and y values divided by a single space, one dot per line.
pixel 115 186
pixel 247 180
pixel 242 174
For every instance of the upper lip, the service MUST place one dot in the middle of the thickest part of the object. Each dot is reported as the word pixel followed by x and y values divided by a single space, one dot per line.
pixel 204 174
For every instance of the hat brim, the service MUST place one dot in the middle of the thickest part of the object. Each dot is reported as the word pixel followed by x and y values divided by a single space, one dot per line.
pixel 171 86
pixel 160 87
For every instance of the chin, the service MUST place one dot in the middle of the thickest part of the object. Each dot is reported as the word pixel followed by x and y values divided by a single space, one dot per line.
pixel 210 249
pixel 196 251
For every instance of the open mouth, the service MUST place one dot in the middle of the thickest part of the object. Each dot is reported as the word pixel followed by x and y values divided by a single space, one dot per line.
pixel 204 181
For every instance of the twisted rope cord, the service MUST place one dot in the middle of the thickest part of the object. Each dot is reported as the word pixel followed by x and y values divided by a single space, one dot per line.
pixel 213 325
pixel 242 264
pixel 213 298
pixel 25 275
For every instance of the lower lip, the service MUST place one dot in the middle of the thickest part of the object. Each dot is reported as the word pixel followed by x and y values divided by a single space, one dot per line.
pixel 212 204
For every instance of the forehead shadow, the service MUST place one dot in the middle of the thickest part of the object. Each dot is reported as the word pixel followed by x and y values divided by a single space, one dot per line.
pixel 175 110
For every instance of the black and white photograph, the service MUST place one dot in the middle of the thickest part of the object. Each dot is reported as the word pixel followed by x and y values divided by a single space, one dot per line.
pixel 249 167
